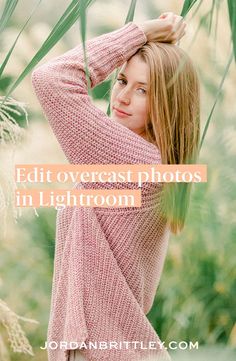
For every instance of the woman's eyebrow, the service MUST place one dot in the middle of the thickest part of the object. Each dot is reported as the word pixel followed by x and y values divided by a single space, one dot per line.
pixel 139 82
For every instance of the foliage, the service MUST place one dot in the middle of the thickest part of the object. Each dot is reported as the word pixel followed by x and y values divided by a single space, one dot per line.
pixel 199 302
pixel 196 299
pixel 232 17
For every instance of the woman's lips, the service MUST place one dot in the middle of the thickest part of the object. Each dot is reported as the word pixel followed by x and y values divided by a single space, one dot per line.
pixel 120 113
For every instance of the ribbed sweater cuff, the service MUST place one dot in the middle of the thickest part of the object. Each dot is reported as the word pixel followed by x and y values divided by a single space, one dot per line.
pixel 129 37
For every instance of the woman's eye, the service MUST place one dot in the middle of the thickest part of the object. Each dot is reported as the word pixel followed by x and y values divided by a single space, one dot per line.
pixel 121 81
pixel 142 91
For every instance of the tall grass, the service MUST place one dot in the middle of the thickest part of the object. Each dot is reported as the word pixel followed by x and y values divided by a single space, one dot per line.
pixel 8 10
pixel 188 4
pixel 69 17
pixel 9 130
pixel 129 17
pixel 5 61
pixel 83 23
pixel 232 18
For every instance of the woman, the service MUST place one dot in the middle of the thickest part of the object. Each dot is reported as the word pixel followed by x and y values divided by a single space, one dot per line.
pixel 108 261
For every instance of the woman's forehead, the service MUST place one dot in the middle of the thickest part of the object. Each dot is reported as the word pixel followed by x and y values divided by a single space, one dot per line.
pixel 135 67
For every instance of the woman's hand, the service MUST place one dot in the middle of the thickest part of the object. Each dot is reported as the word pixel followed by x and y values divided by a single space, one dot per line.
pixel 168 28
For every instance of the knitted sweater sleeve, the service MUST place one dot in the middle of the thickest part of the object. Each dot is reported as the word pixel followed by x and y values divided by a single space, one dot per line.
pixel 86 134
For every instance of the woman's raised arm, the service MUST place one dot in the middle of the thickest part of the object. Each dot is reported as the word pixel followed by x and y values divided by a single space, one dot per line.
pixel 86 134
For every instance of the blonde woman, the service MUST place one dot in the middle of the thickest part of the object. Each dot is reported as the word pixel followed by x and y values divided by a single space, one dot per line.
pixel 108 261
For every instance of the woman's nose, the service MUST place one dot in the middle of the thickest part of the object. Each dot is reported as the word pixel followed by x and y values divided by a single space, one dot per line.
pixel 124 97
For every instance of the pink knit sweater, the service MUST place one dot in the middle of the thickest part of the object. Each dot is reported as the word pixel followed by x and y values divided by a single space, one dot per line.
pixel 108 261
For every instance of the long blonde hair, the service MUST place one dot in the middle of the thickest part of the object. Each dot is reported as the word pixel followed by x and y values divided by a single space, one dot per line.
pixel 173 119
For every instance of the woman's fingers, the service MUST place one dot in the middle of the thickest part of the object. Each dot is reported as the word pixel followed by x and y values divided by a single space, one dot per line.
pixel 162 16
pixel 179 29
pixel 170 18
pixel 180 32
pixel 165 15
pixel 175 25
pixel 179 21
pixel 167 28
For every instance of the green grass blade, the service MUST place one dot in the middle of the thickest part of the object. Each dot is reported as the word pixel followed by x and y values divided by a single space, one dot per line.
pixel 187 6
pixel 3 65
pixel 71 12
pixel 129 17
pixel 8 10
pixel 217 21
pixel 65 23
pixel 213 5
pixel 232 17
pixel 196 10
pixel 67 12
pixel 83 21
pixel 217 97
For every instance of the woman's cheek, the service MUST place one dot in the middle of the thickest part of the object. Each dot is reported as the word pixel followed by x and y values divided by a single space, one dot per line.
pixel 113 93
pixel 141 105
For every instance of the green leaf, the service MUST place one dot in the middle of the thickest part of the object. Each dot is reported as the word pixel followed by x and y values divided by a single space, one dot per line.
pixel 187 6
pixel 130 15
pixel 232 17
pixel 68 19
pixel 196 10
pixel 14 44
pixel 213 5
pixel 83 21
pixel 4 83
pixel 8 10
pixel 217 21
pixel 101 91
pixel 217 97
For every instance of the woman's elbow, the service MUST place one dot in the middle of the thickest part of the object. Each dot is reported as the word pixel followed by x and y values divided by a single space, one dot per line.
pixel 42 79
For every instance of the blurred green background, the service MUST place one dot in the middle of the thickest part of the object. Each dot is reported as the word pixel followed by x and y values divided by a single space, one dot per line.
pixel 196 298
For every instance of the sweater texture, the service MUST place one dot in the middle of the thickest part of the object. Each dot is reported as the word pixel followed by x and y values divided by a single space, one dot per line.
pixel 108 261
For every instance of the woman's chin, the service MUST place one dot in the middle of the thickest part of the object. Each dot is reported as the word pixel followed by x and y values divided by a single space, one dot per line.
pixel 118 120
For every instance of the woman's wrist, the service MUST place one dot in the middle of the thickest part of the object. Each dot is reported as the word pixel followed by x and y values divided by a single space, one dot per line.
pixel 144 27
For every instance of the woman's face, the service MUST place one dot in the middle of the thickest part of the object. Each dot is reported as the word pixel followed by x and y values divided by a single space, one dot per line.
pixel 129 95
